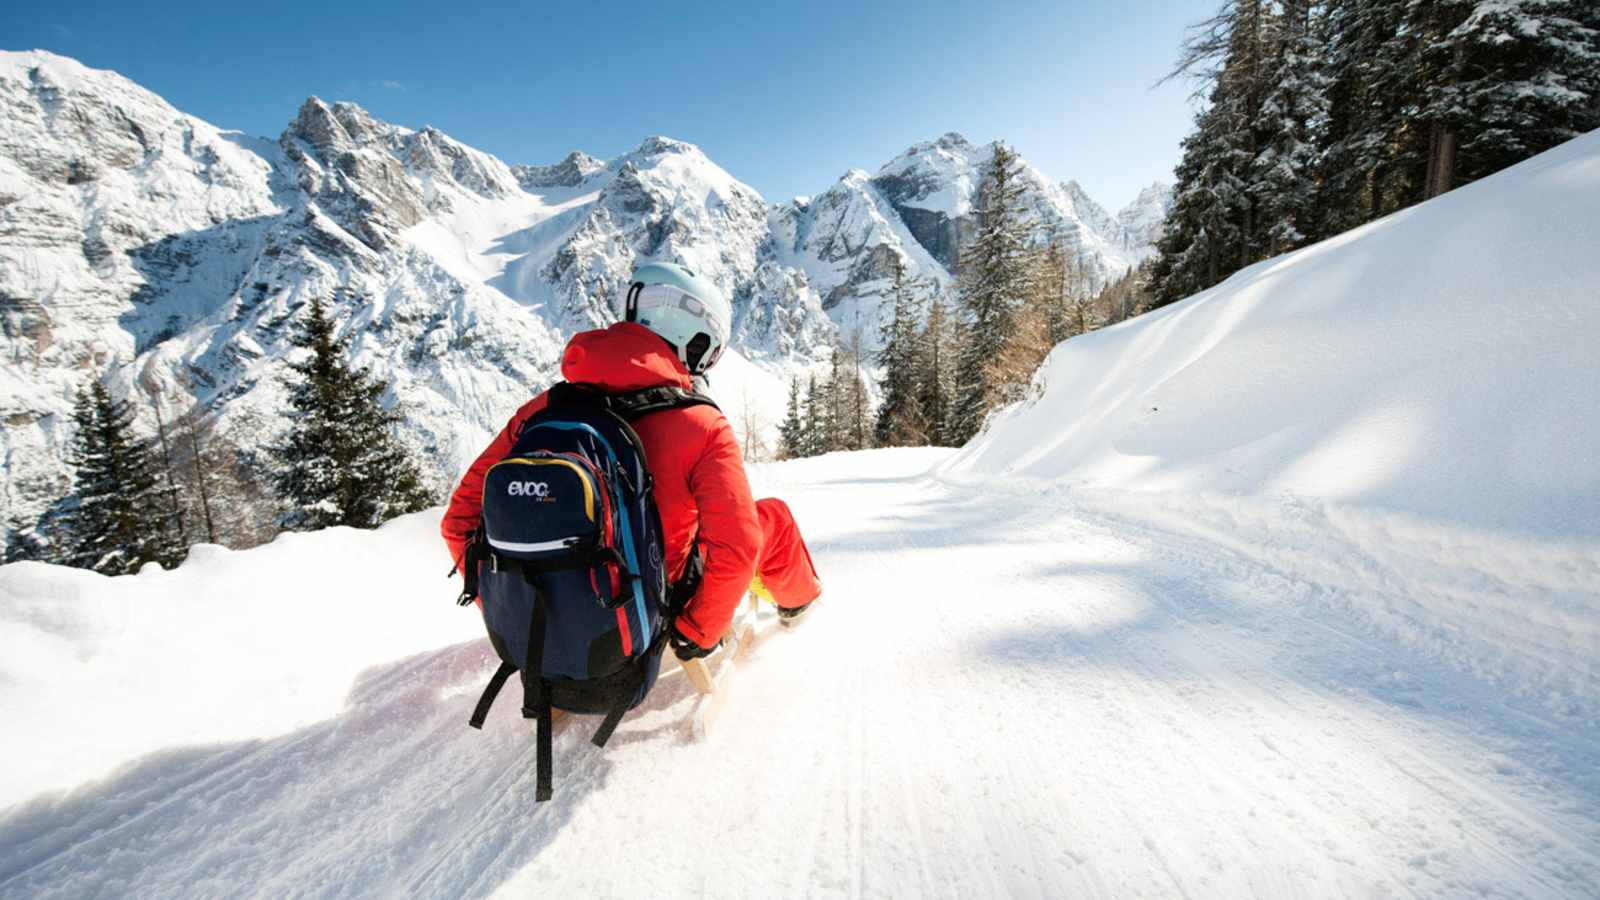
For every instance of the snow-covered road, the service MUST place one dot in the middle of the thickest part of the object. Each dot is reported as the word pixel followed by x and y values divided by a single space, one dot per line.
pixel 1003 694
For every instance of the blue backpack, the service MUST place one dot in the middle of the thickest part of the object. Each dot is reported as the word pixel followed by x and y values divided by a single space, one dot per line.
pixel 569 562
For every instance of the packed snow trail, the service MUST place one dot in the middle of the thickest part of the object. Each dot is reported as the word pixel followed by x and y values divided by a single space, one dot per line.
pixel 1003 695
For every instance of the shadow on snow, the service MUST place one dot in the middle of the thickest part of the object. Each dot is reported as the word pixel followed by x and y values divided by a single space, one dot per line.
pixel 395 796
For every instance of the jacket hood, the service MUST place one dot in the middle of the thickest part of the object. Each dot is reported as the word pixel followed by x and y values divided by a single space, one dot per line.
pixel 625 357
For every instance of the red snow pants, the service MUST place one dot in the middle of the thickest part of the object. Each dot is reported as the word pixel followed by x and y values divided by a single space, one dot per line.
pixel 784 566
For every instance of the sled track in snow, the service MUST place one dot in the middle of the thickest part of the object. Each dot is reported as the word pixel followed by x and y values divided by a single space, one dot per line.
pixel 999 695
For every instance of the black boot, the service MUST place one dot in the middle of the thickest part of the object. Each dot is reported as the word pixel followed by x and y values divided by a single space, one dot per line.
pixel 789 616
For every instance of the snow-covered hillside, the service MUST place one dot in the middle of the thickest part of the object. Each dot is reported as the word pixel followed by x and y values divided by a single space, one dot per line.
pixel 1440 361
pixel 137 238
pixel 1409 408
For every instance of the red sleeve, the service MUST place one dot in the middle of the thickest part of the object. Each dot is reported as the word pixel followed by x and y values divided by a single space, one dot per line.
pixel 730 537
pixel 461 516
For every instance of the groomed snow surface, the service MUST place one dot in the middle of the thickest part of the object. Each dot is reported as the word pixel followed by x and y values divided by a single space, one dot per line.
pixel 1003 694
pixel 1291 589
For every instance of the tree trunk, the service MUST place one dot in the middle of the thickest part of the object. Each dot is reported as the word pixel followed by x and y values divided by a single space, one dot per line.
pixel 200 481
pixel 1441 161
pixel 166 468
pixel 1375 193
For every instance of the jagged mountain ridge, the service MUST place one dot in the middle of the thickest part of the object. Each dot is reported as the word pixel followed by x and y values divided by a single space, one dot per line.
pixel 132 233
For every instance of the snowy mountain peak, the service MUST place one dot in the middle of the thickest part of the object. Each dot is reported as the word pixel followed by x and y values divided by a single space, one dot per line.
pixel 933 187
pixel 1088 210
pixel 338 126
pixel 453 275
pixel 946 154
pixel 570 172
pixel 1142 220
pixel 660 145
pixel 52 71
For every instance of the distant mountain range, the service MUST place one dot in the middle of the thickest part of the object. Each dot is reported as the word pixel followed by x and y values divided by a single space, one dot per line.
pixel 143 241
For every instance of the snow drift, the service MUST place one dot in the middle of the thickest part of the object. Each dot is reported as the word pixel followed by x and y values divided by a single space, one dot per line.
pixel 228 646
pixel 1408 408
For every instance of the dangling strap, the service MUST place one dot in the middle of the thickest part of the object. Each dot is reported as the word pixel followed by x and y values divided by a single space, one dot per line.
pixel 619 708
pixel 624 693
pixel 476 552
pixel 491 691
pixel 543 779
pixel 536 699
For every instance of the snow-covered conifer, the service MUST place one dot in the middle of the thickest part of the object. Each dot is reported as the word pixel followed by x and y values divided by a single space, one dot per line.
pixel 993 281
pixel 340 463
pixel 1282 176
pixel 936 357
pixel 120 519
pixel 1504 81
pixel 792 433
pixel 900 421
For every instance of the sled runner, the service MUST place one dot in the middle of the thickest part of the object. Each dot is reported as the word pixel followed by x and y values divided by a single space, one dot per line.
pixel 713 688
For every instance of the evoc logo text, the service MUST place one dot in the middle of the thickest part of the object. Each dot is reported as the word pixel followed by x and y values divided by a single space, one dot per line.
pixel 537 489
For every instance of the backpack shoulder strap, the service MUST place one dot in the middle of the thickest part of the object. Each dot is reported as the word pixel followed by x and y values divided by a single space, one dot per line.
pixel 636 405
pixel 630 405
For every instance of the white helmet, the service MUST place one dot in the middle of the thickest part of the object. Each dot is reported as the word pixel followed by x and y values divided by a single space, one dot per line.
pixel 687 311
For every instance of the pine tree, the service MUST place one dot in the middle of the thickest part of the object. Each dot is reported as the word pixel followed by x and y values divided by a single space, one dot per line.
pixel 834 423
pixel 1217 225
pixel 900 421
pixel 120 521
pixel 993 283
pixel 1503 81
pixel 1200 245
pixel 25 542
pixel 1128 296
pixel 1054 290
pixel 340 463
pixel 936 374
pixel 173 497
pixel 1282 177
pixel 857 433
pixel 792 434
pixel 816 404
pixel 1368 146
pixel 1326 114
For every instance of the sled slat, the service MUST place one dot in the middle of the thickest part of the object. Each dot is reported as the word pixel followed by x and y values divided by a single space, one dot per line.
pixel 699 675
pixel 714 689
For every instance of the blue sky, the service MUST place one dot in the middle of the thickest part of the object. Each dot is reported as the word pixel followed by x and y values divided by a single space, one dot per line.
pixel 786 97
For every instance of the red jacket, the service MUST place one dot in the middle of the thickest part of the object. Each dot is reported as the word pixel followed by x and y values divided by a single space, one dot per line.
pixel 699 473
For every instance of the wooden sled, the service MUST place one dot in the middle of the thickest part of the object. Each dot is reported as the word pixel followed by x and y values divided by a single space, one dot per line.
pixel 713 688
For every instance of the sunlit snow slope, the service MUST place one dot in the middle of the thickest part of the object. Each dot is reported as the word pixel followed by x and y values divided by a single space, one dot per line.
pixel 1003 694
pixel 1442 361
pixel 1409 410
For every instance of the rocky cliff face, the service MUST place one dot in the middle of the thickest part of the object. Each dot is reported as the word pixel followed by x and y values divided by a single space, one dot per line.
pixel 1143 220
pixel 933 189
pixel 141 241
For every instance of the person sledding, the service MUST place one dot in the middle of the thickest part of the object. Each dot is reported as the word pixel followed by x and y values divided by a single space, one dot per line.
pixel 579 585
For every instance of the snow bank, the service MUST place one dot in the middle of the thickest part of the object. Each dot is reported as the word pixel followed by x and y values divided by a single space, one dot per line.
pixel 229 646
pixel 1422 388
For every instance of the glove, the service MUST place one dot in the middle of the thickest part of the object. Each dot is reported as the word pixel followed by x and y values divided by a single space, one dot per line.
pixel 684 648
